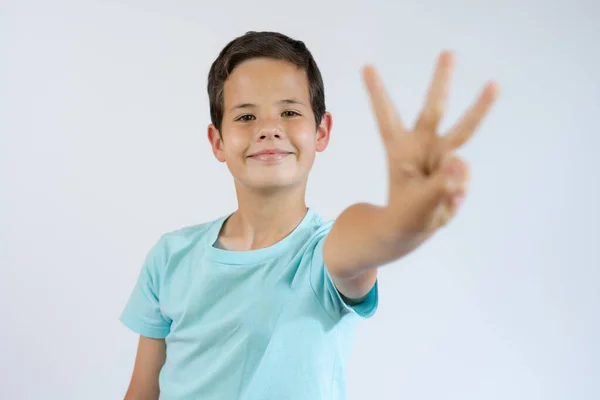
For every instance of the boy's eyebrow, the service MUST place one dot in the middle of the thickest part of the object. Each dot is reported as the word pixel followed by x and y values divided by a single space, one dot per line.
pixel 251 105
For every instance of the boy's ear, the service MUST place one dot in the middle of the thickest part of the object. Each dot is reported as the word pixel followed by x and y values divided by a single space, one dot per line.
pixel 324 132
pixel 216 143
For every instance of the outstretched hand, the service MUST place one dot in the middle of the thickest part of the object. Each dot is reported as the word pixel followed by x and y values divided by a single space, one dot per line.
pixel 427 181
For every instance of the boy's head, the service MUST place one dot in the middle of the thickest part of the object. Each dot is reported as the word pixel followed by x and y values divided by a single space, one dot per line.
pixel 266 94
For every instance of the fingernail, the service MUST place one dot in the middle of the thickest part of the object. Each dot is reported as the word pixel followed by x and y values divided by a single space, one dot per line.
pixel 458 200
pixel 455 169
pixel 453 183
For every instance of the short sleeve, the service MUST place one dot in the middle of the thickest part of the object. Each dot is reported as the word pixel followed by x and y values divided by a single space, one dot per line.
pixel 328 295
pixel 142 313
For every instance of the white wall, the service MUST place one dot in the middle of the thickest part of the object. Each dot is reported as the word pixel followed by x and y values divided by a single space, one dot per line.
pixel 103 115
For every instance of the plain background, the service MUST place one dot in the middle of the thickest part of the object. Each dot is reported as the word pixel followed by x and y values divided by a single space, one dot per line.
pixel 103 116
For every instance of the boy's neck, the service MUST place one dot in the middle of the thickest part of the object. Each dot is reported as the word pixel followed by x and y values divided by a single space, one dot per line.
pixel 262 221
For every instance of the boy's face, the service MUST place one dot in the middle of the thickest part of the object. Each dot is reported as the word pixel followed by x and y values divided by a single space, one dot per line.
pixel 267 108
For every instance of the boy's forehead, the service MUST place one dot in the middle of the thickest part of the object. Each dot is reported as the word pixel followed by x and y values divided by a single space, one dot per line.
pixel 265 80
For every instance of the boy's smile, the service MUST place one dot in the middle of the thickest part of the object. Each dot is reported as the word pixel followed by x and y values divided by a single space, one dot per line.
pixel 270 156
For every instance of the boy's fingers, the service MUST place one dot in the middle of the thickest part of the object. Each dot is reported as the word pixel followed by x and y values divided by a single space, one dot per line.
pixel 466 127
pixel 388 120
pixel 437 95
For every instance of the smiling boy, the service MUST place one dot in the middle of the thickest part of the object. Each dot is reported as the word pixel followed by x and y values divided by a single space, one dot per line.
pixel 263 303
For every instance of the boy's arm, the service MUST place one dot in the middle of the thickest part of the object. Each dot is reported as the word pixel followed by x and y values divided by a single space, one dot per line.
pixel 360 241
pixel 151 355
pixel 427 182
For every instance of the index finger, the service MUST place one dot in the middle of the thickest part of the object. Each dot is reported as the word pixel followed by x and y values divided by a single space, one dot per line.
pixel 387 117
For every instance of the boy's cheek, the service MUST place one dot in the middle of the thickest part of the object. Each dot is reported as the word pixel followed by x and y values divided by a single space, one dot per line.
pixel 301 131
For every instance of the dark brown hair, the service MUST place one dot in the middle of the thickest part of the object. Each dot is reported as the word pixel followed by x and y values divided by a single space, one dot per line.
pixel 263 44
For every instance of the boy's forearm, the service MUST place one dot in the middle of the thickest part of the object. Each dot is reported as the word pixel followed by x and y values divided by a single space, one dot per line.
pixel 363 238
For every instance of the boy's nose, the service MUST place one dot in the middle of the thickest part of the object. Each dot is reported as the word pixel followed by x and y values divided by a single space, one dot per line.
pixel 270 132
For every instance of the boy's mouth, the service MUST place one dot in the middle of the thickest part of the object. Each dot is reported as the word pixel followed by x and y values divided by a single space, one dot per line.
pixel 266 156
pixel 269 151
pixel 272 154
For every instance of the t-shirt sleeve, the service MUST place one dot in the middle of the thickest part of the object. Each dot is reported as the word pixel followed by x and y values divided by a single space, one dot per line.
pixel 326 292
pixel 142 313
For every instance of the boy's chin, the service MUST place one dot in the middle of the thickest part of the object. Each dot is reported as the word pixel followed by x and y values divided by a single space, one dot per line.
pixel 274 184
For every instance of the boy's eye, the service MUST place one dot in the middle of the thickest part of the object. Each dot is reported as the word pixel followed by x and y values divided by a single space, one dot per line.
pixel 246 118
pixel 250 117
pixel 290 113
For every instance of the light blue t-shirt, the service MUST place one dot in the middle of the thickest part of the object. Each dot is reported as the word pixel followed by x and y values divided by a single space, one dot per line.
pixel 263 324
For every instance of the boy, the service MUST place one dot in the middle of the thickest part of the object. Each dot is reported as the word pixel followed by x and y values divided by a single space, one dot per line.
pixel 263 303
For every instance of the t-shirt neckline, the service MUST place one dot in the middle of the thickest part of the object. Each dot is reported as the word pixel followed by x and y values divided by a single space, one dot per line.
pixel 251 256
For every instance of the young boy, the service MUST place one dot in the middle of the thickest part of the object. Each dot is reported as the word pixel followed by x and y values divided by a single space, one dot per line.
pixel 263 303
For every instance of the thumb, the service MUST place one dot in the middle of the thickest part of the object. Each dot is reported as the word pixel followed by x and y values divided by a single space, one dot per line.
pixel 447 185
